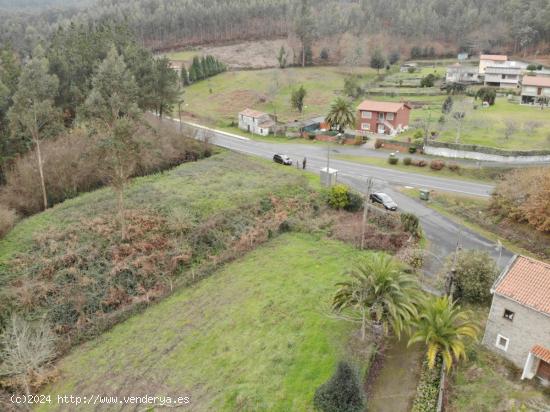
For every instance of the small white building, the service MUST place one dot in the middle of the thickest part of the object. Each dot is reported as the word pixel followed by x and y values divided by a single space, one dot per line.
pixel 256 122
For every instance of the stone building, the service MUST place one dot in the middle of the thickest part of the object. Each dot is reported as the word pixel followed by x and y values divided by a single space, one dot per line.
pixel 518 326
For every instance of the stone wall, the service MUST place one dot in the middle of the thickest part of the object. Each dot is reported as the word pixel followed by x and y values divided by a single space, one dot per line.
pixel 482 153
pixel 528 328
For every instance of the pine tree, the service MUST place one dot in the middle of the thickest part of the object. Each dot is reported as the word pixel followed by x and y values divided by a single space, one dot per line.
pixel 33 112
pixel 112 107
pixel 184 75
pixel 166 91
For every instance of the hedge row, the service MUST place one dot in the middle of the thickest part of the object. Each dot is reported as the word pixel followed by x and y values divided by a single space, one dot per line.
pixel 427 391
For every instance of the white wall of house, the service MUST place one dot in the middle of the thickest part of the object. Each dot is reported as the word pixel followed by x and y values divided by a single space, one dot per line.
pixel 252 124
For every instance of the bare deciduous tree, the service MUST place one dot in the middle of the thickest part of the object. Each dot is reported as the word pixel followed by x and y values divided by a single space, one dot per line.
pixel 25 348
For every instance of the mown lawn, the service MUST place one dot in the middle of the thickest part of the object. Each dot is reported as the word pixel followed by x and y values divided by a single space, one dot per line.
pixel 222 97
pixel 252 337
pixel 486 126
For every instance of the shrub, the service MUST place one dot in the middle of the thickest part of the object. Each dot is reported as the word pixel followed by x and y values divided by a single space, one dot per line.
pixel 454 167
pixel 427 391
pixel 358 140
pixel 407 161
pixel 418 134
pixel 355 202
pixel 412 149
pixel 71 165
pixel 508 199
pixel 311 136
pixel 338 197
pixel 377 144
pixel 419 163
pixel 475 273
pixel 410 223
pixel 437 164
pixel 393 160
pixel 8 218
pixel 343 392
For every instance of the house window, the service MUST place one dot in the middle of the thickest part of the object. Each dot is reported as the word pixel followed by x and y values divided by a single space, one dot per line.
pixel 502 343
pixel 366 115
pixel 389 116
pixel 365 126
pixel 508 314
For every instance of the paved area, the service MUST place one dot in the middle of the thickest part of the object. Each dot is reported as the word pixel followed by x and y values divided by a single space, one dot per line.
pixel 441 232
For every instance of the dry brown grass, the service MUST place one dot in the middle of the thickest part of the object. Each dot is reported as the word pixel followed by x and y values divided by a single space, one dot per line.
pixel 8 219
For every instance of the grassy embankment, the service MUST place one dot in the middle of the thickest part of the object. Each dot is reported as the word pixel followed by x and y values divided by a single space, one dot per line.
pixel 474 213
pixel 253 336
pixel 71 264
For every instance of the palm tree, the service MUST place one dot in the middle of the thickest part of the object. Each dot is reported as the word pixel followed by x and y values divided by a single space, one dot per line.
pixel 380 293
pixel 444 328
pixel 341 114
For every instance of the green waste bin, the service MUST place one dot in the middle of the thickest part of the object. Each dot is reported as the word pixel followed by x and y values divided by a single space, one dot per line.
pixel 424 194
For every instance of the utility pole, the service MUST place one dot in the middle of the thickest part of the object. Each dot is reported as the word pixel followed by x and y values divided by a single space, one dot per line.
pixel 449 284
pixel 365 211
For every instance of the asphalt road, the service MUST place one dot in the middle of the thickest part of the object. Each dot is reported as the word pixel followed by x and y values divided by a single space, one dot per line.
pixel 442 233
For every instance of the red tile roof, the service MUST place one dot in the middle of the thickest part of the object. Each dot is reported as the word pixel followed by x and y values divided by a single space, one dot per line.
pixel 494 57
pixel 387 107
pixel 252 113
pixel 540 81
pixel 526 281
pixel 541 353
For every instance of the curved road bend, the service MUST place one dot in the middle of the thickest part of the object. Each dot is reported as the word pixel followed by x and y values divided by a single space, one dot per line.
pixel 441 232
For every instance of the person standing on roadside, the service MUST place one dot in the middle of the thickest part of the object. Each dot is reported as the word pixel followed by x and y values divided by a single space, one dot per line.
pixel 304 164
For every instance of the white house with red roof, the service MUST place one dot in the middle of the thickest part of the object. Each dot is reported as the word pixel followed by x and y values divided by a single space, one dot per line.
pixel 256 122
pixel 518 326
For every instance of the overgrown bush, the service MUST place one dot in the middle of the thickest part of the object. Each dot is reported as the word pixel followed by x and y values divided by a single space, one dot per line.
pixel 343 392
pixel 454 167
pixel 475 273
pixel 524 196
pixel 338 197
pixel 407 161
pixel 393 160
pixel 411 224
pixel 72 165
pixel 437 164
pixel 8 218
pixel 358 140
pixel 377 144
pixel 427 391
pixel 412 149
pixel 419 163
pixel 355 201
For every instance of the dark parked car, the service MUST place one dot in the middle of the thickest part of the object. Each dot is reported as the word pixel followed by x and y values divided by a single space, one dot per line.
pixel 282 159
pixel 384 200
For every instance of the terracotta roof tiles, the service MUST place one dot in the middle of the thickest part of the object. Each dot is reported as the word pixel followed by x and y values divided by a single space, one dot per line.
pixel 387 107
pixel 540 81
pixel 527 281
pixel 541 353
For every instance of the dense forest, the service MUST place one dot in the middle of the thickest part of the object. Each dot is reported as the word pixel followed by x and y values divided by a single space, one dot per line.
pixel 160 24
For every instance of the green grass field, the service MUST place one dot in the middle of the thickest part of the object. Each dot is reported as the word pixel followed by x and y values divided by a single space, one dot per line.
pixel 222 97
pixel 252 337
pixel 197 189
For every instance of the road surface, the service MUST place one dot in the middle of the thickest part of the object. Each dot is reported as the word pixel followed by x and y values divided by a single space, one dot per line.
pixel 441 232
